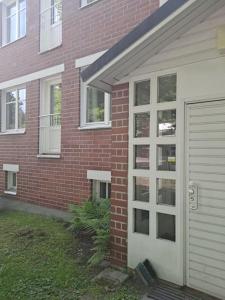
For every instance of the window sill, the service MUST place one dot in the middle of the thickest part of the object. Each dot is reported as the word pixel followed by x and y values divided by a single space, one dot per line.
pixel 10 43
pixel 89 4
pixel 13 132
pixel 10 193
pixel 96 126
pixel 52 156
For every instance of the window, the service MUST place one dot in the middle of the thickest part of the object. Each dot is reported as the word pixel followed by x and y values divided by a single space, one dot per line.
pixel 166 157
pixel 50 116
pixel 142 93
pixel 141 221
pixel 95 107
pixel 141 159
pixel 14 109
pixel 101 190
pixel 86 2
pixel 166 192
pixel 14 20
pixel 167 88
pixel 56 11
pixel 142 125
pixel 167 122
pixel 141 189
pixel 166 227
pixel 11 182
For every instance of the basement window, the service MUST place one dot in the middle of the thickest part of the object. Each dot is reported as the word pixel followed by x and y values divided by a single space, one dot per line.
pixel 11 183
pixel 101 190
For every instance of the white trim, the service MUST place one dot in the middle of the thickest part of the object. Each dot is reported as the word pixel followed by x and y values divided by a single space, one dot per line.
pixel 14 132
pixel 99 175
pixel 87 4
pixel 10 193
pixel 11 168
pixel 162 2
pixel 88 60
pixel 95 126
pixel 141 40
pixel 49 156
pixel 33 76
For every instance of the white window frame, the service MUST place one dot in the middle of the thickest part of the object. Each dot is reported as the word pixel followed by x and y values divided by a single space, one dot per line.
pixel 11 189
pixel 107 123
pixel 96 189
pixel 3 111
pixel 5 5
pixel 84 3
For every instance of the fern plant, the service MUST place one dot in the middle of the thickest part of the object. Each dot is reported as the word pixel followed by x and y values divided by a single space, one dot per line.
pixel 94 218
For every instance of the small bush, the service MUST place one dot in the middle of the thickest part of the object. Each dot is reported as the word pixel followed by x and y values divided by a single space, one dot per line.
pixel 93 217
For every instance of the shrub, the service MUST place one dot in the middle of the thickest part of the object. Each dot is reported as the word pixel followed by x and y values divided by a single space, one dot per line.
pixel 93 217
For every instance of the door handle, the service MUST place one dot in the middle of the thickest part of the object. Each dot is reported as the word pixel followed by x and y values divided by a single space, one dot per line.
pixel 193 196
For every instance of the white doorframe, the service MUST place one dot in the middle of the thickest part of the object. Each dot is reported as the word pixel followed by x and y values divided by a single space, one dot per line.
pixel 182 110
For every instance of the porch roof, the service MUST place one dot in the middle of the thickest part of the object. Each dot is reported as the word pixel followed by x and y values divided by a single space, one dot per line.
pixel 161 28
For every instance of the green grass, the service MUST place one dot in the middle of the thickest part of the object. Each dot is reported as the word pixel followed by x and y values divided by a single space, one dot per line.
pixel 38 260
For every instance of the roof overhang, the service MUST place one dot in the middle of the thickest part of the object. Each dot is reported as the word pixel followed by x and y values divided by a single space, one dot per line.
pixel 156 32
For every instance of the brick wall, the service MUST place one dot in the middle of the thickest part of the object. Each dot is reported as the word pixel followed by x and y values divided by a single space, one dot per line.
pixel 58 182
pixel 120 114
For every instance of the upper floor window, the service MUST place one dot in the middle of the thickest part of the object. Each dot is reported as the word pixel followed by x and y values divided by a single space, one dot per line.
pixel 86 2
pixel 13 20
pixel 95 107
pixel 13 109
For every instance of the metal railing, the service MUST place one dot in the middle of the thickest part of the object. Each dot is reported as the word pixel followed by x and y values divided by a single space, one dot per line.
pixel 50 134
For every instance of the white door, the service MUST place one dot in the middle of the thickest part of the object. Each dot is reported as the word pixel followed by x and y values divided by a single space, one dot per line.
pixel 206 197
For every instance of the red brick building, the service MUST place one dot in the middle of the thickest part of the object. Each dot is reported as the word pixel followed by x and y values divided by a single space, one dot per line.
pixel 51 143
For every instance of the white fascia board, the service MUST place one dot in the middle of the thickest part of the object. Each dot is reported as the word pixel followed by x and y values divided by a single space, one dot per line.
pixel 88 60
pixel 99 175
pixel 11 168
pixel 33 76
pixel 141 40
pixel 161 2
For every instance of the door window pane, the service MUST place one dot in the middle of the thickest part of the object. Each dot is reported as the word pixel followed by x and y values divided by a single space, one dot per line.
pixel 142 156
pixel 142 92
pixel 142 125
pixel 141 189
pixel 21 108
pixel 166 192
pixel 141 221
pixel 95 105
pixel 167 122
pixel 166 227
pixel 166 157
pixel 167 88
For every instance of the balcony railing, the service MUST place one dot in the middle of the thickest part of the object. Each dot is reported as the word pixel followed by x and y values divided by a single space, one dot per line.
pixel 50 134
pixel 51 27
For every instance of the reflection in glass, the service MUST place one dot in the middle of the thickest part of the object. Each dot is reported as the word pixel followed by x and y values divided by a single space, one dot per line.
pixel 167 122
pixel 142 125
pixel 142 157
pixel 141 189
pixel 167 88
pixel 95 105
pixel 166 157
pixel 166 227
pixel 166 192
pixel 141 221
pixel 142 92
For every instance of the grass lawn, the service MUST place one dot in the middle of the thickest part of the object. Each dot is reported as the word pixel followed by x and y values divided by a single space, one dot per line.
pixel 40 259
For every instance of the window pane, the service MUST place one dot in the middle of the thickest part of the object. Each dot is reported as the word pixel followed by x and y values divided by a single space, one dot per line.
pixel 166 227
pixel 55 98
pixel 14 180
pixel 11 96
pixel 141 189
pixel 22 23
pixel 166 157
pixel 11 9
pixel 142 156
pixel 103 193
pixel 142 92
pixel 11 29
pixel 10 116
pixel 109 190
pixel 167 122
pixel 22 108
pixel 166 192
pixel 56 11
pixel 167 88
pixel 141 221
pixel 22 4
pixel 95 105
pixel 142 125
